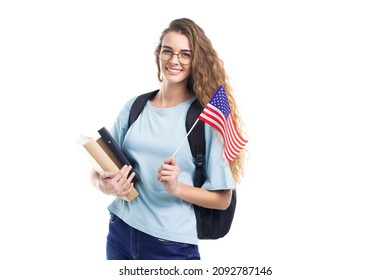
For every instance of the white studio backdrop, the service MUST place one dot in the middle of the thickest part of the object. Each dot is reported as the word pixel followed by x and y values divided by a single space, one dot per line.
pixel 311 80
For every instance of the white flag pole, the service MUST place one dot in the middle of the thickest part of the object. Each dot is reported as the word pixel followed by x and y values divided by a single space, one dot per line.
pixel 185 137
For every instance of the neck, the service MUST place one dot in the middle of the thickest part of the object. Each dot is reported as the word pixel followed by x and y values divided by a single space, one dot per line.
pixel 171 95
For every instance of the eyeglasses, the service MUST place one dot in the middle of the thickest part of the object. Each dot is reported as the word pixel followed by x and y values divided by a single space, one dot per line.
pixel 184 57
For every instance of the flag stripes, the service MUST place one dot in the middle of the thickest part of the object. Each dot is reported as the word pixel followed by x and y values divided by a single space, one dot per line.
pixel 217 114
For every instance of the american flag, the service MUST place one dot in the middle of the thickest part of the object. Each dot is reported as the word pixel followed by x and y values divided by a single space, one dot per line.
pixel 217 114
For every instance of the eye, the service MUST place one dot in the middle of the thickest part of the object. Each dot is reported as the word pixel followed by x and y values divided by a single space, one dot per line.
pixel 167 52
pixel 186 54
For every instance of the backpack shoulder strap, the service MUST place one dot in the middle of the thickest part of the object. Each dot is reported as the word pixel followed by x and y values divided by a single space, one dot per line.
pixel 196 140
pixel 139 104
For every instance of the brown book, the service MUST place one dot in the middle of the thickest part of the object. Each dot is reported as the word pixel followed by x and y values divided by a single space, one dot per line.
pixel 103 159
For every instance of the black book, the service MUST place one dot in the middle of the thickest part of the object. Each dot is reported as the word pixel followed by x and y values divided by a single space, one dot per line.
pixel 116 150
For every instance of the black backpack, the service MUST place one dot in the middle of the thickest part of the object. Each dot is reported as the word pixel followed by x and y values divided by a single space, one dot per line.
pixel 210 223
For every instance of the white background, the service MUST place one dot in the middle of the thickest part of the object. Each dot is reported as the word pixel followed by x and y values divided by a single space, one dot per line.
pixel 312 82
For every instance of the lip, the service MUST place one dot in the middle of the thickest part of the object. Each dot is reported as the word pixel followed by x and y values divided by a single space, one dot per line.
pixel 174 71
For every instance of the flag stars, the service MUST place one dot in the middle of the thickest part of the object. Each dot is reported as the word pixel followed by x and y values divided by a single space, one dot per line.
pixel 220 101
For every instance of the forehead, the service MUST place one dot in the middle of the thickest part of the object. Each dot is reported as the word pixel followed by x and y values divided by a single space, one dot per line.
pixel 176 41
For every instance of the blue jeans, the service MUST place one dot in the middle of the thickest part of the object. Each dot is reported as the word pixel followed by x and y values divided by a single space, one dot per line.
pixel 127 243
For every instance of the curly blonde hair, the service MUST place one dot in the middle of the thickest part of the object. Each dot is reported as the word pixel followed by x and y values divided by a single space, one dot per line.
pixel 207 74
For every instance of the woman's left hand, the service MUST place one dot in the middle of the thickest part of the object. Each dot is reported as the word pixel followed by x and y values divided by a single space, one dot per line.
pixel 168 174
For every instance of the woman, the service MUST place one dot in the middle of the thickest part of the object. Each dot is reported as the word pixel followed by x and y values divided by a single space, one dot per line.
pixel 160 223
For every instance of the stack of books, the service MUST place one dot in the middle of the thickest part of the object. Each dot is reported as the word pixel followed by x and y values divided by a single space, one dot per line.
pixel 105 155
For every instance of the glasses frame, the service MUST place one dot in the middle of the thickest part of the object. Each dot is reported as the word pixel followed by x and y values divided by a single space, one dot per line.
pixel 177 54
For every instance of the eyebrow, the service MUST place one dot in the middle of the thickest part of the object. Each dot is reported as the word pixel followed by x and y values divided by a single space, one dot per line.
pixel 168 47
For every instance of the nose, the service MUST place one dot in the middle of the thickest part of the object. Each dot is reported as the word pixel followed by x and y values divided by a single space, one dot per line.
pixel 176 56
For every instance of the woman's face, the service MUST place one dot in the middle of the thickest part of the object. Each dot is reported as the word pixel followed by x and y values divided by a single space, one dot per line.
pixel 175 58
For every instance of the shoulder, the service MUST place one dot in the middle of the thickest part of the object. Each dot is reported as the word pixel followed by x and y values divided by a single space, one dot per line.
pixel 138 98
pixel 129 104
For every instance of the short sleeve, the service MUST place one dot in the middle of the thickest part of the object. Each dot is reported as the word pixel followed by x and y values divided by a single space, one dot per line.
pixel 120 127
pixel 217 168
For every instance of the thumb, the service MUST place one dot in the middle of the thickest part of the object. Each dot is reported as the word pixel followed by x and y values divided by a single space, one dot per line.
pixel 106 174
pixel 170 160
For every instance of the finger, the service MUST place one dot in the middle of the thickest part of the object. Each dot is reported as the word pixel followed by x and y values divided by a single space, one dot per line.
pixel 167 167
pixel 125 187
pixel 128 190
pixel 170 160
pixel 130 178
pixel 173 161
pixel 105 175
pixel 166 172
pixel 159 177
pixel 166 178
pixel 122 174
pixel 125 182
pixel 119 190
pixel 127 172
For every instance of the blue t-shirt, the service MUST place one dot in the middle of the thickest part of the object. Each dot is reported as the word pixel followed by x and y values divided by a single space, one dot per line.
pixel 153 137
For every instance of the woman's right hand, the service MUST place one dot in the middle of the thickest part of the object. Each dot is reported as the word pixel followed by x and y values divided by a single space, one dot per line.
pixel 118 184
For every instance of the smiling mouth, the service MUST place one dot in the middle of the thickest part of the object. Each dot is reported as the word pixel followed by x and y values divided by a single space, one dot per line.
pixel 174 71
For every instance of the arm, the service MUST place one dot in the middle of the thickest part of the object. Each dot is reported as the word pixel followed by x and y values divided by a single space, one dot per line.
pixel 208 199
pixel 168 174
